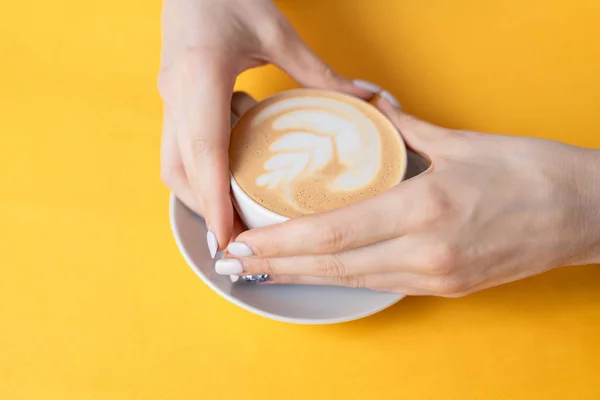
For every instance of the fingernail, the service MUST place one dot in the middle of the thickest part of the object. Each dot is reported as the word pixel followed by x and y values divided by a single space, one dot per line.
pixel 228 266
pixel 388 96
pixel 371 87
pixel 234 278
pixel 213 245
pixel 239 249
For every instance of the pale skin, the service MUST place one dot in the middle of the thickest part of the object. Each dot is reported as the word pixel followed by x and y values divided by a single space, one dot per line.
pixel 491 209
pixel 206 45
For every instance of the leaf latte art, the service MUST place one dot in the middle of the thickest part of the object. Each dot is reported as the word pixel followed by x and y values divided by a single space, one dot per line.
pixel 314 151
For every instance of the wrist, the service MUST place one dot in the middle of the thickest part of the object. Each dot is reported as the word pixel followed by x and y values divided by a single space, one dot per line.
pixel 590 206
pixel 596 168
pixel 577 196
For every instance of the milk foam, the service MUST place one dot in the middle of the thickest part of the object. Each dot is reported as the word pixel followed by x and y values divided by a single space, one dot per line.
pixel 316 131
pixel 308 151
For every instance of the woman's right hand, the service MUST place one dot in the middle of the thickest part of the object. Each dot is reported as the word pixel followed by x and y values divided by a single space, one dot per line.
pixel 206 45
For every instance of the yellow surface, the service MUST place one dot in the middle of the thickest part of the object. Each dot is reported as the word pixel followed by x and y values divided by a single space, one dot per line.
pixel 95 300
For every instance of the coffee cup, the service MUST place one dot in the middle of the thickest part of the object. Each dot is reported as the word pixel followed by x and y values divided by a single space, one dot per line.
pixel 354 114
pixel 311 304
pixel 252 214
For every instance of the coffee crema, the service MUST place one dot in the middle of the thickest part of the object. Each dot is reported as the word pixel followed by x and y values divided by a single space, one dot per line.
pixel 306 151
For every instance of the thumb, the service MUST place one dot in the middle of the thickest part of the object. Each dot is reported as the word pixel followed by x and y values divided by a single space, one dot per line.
pixel 419 135
pixel 293 56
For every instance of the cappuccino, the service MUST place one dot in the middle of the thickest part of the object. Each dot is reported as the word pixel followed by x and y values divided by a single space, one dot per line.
pixel 305 151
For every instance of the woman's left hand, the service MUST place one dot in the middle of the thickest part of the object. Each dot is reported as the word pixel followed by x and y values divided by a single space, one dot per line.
pixel 491 209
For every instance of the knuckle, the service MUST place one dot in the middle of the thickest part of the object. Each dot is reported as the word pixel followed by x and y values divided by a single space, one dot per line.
pixel 331 239
pixel 448 286
pixel 441 259
pixel 172 174
pixel 263 266
pixel 202 147
pixel 459 142
pixel 357 282
pixel 330 266
pixel 168 175
pixel 437 204
pixel 274 34
pixel 464 140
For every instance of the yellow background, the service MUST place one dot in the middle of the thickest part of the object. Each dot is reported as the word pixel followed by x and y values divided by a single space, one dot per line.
pixel 97 303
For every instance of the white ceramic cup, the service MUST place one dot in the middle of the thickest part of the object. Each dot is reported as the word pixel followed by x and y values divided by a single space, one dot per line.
pixel 253 214
pixel 300 304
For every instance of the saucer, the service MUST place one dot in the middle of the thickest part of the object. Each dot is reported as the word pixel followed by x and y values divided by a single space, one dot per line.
pixel 300 304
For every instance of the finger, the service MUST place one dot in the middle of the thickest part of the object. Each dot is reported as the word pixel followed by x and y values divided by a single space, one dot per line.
pixel 241 102
pixel 411 253
pixel 384 282
pixel 385 216
pixel 204 124
pixel 419 135
pixel 238 227
pixel 292 55
pixel 172 172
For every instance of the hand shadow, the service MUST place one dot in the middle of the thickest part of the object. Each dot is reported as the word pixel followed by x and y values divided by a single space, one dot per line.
pixel 564 294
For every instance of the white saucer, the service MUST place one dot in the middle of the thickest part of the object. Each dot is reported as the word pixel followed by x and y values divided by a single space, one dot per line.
pixel 288 303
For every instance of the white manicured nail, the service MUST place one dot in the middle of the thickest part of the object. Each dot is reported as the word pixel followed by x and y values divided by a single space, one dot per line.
pixel 371 87
pixel 228 266
pixel 213 245
pixel 239 249
pixel 234 278
pixel 388 96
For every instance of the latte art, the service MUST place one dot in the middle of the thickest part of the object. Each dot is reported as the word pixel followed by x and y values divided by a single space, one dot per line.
pixel 307 153
pixel 314 131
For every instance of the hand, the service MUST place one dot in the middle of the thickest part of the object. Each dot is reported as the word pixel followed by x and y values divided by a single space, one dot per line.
pixel 206 44
pixel 491 209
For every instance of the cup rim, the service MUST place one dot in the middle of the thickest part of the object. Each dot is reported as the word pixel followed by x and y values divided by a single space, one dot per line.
pixel 273 214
